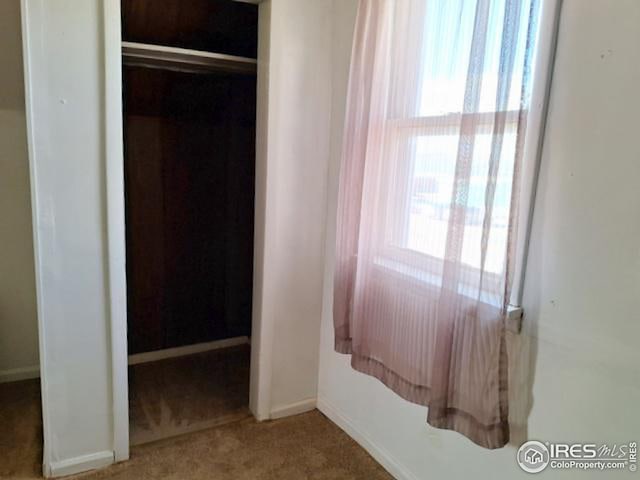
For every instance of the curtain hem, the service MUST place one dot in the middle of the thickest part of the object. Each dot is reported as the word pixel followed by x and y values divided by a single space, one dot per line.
pixel 488 436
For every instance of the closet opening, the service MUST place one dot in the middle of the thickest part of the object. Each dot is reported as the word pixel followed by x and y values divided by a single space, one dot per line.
pixel 189 108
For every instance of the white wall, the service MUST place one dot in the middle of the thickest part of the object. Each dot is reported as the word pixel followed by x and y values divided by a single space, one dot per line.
pixel 293 147
pixel 18 322
pixel 64 57
pixel 71 95
pixel 575 368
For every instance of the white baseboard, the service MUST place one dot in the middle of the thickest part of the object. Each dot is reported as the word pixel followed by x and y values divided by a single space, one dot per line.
pixel 186 350
pixel 293 409
pixel 379 454
pixel 80 464
pixel 23 373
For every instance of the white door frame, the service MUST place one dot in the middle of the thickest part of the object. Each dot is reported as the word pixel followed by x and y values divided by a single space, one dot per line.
pixel 116 251
pixel 261 344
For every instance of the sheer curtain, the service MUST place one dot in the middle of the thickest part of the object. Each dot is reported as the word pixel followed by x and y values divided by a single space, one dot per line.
pixel 427 211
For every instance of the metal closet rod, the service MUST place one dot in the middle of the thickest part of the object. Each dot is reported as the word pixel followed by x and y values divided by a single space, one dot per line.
pixel 184 59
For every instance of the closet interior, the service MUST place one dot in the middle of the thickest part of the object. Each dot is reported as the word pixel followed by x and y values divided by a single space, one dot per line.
pixel 189 97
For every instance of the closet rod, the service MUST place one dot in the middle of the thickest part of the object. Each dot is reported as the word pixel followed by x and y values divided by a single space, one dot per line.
pixel 184 60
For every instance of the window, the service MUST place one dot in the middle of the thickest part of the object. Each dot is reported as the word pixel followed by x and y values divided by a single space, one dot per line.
pixel 429 135
pixel 430 216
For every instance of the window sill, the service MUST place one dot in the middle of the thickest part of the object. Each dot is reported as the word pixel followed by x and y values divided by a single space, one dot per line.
pixel 514 318
pixel 514 314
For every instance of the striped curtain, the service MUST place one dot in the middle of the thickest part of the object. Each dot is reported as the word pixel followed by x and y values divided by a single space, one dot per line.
pixel 428 201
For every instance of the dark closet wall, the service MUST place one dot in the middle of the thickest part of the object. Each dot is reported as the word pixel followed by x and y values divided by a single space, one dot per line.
pixel 189 184
pixel 221 26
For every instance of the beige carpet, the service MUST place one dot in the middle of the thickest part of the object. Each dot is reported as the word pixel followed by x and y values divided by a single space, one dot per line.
pixel 20 430
pixel 186 394
pixel 303 447
pixel 306 446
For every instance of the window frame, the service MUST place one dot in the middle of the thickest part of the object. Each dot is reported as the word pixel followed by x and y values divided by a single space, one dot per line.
pixel 535 117
pixel 401 133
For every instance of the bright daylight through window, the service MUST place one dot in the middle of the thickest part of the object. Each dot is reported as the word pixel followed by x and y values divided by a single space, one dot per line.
pixel 430 139
pixel 429 202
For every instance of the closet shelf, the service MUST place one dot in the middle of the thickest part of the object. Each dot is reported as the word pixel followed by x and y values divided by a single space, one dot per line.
pixel 184 60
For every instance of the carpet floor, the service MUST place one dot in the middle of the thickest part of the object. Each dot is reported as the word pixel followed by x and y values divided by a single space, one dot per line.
pixel 185 394
pixel 303 447
pixel 20 430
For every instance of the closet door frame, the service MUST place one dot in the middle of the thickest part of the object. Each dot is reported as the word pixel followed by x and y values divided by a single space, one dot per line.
pixel 115 206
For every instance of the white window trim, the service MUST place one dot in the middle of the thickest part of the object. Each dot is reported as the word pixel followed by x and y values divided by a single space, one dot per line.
pixel 542 73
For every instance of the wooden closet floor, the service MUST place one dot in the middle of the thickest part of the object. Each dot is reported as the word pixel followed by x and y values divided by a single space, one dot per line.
pixel 186 394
